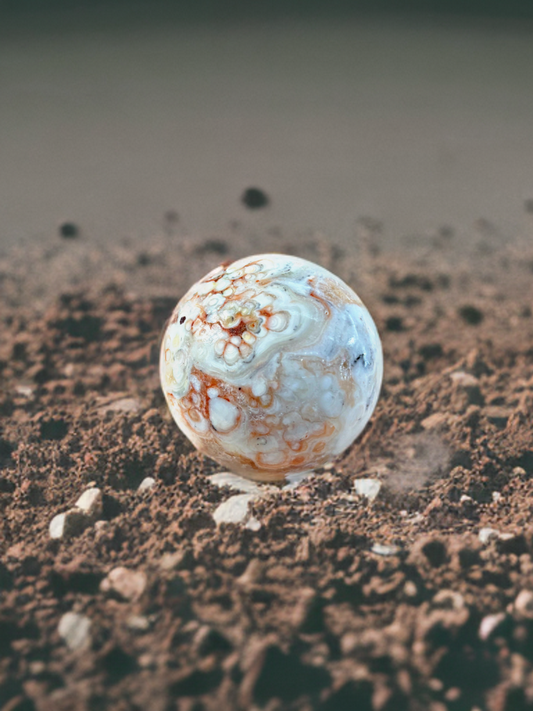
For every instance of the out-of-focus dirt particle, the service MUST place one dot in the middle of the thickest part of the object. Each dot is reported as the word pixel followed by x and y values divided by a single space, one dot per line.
pixel 193 681
pixel 138 624
pixel 471 314
pixel 490 625
pixel 210 641
pixel 349 696
pixel 512 543
pixel 523 605
pixel 273 673
pixel 117 663
pixel 68 230
pixel 394 324
pixel 435 421
pixel 254 198
pixel 428 550
pixel 307 616
pixel 181 559
pixel 124 404
pixel 252 575
pixel 6 578
pixel 497 415
pixel 53 429
pixel 429 351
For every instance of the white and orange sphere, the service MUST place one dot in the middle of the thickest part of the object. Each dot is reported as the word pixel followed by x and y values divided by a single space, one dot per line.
pixel 272 366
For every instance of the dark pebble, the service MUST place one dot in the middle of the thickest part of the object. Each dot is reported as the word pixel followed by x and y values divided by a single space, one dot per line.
pixel 69 230
pixel 471 315
pixel 255 198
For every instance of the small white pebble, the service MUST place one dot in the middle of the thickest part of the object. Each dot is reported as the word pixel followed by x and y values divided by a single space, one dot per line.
pixel 519 471
pixel 147 484
pixel 234 482
pixel 487 534
pixel 129 584
pixel 37 667
pixel 253 524
pixel 57 526
pixel 434 421
pixel 74 630
pixel 369 488
pixel 410 589
pixel 171 561
pixel 138 623
pixel 489 624
pixel 294 480
pixel 465 380
pixel 234 510
pixel 506 536
pixel 385 550
pixel 125 404
pixel 68 524
pixel 90 502
pixel 24 390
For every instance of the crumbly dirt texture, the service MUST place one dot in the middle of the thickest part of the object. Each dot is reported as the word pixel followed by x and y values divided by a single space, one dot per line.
pixel 331 602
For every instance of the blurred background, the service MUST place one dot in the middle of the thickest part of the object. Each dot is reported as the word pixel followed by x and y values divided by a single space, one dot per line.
pixel 124 117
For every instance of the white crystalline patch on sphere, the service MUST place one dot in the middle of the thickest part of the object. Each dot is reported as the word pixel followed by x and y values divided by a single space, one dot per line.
pixel 223 414
pixel 271 366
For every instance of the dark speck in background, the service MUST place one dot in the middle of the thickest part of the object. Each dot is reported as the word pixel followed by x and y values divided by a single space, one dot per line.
pixel 255 198
pixel 172 216
pixel 471 315
pixel 528 205
pixel 394 323
pixel 69 230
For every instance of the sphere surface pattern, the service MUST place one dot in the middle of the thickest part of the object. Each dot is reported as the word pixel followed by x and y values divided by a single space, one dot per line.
pixel 271 366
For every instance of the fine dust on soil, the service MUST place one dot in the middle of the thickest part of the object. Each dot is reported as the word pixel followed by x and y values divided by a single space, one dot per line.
pixel 334 603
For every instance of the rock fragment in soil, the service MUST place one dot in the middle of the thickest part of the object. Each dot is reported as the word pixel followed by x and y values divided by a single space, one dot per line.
pixel 127 584
pixel 369 488
pixel 253 524
pixel 75 629
pixel 69 524
pixel 147 484
pixel 385 550
pixel 234 509
pixel 233 481
pixel 487 534
pixel 90 502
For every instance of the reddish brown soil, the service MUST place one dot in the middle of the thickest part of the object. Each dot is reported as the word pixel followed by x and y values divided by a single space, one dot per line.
pixel 304 614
